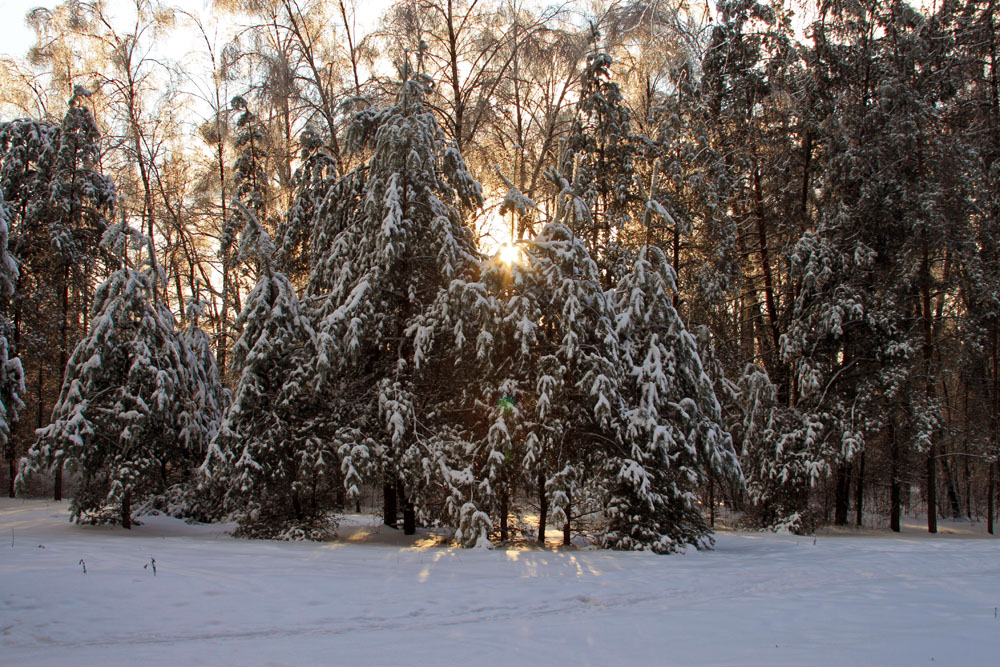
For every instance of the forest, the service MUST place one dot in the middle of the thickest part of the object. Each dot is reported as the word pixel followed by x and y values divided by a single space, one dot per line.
pixel 616 268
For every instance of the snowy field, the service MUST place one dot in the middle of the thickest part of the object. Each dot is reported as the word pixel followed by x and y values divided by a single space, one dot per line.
pixel 372 599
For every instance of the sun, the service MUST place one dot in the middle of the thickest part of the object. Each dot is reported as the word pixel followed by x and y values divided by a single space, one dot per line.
pixel 509 254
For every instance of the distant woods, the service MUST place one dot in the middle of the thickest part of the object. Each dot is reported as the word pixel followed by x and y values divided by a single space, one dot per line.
pixel 758 274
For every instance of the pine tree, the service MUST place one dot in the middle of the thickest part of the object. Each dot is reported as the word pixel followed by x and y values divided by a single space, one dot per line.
pixel 391 239
pixel 250 185
pixel 276 475
pixel 60 203
pixel 672 435
pixel 117 420
pixel 598 163
pixel 313 181
pixel 536 338
pixel 207 399
pixel 11 372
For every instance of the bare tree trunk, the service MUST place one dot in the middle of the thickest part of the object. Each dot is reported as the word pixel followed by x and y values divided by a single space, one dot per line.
pixel 63 360
pixel 968 488
pixel 504 511
pixel 389 504
pixel 543 508
pixel 567 528
pixel 11 469
pixel 859 492
pixel 894 490
pixel 925 295
pixel 956 506
pixel 932 490
pixel 991 497
pixel 127 509
pixel 843 494
pixel 409 518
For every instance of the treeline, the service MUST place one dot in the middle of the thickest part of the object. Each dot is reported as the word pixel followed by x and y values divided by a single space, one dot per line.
pixel 743 230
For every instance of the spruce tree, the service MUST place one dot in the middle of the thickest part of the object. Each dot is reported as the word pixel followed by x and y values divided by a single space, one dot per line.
pixel 391 238
pixel 60 204
pixel 672 433
pixel 598 163
pixel 121 418
pixel 536 337
pixel 11 372
pixel 276 476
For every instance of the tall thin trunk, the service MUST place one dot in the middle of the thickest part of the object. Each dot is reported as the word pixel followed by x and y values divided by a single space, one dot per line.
pixel 991 497
pixel 351 50
pixel 894 484
pixel 389 505
pixel 567 528
pixel 843 494
pixel 63 361
pixel 220 157
pixel 543 508
pixel 504 511
pixel 859 492
pixel 765 262
pixel 12 457
pixel 968 486
pixel 952 490
pixel 928 350
pixel 127 510
pixel 995 410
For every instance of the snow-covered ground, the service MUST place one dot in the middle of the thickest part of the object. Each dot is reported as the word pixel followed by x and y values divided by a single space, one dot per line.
pixel 756 599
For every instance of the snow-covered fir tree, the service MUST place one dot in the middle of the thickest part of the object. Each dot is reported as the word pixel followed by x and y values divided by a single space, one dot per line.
pixel 536 339
pixel 673 436
pixel 207 400
pixel 11 372
pixel 250 184
pixel 124 408
pixel 278 479
pixel 313 182
pixel 598 164
pixel 60 204
pixel 391 237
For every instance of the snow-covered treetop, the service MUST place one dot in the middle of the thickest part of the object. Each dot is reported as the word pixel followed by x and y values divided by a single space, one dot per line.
pixel 393 232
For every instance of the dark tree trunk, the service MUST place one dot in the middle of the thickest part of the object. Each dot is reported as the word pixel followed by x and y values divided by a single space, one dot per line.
pixel 567 527
pixel 956 505
pixel 968 488
pixel 859 492
pixel 932 490
pixel 711 502
pixel 543 509
pixel 991 497
pixel 409 511
pixel 12 457
pixel 894 491
pixel 928 350
pixel 63 360
pixel 843 494
pixel 389 505
pixel 504 511
pixel 127 510
pixel 409 519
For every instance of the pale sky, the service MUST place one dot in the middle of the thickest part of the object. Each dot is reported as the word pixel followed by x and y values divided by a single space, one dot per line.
pixel 15 36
